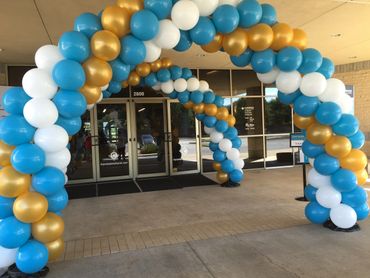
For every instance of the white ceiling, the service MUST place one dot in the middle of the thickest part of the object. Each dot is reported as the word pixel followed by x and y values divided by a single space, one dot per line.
pixel 25 25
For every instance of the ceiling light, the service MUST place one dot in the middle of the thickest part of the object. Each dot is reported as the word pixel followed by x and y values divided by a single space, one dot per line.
pixel 352 57
pixel 1 49
pixel 201 55
pixel 337 35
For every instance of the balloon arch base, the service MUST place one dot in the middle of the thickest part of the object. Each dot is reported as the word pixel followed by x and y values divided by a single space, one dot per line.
pixel 14 272
pixel 331 226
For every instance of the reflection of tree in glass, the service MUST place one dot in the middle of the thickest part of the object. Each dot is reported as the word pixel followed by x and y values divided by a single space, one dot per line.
pixel 182 119
pixel 278 118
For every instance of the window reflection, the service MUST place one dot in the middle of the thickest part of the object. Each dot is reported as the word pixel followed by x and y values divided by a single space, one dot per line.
pixel 248 114
pixel 278 151
pixel 218 80
pixel 245 83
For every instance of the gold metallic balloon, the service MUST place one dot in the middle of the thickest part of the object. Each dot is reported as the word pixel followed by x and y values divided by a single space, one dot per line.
pixel 91 94
pixel 236 42
pixel 30 207
pixel 319 134
pixel 217 166
pixel 338 146
pixel 189 105
pixel 260 37
pixel 105 45
pixel 133 79
pixel 231 120
pixel 299 39
pixel 98 72
pixel 210 109
pixel 156 65
pixel 166 62
pixel 132 6
pixel 222 177
pixel 124 84
pixel 214 45
pixel 362 176
pixel 283 36
pixel 356 160
pixel 13 183
pixel 55 249
pixel 49 228
pixel 5 153
pixel 303 122
pixel 143 69
pixel 116 20
pixel 198 108
pixel 222 113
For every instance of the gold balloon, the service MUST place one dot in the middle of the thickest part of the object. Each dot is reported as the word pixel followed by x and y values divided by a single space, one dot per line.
pixel 236 42
pixel 13 183
pixel 124 84
pixel 156 65
pixel 189 105
pixel 319 134
pixel 98 72
pixel 362 176
pixel 49 228
pixel 299 39
pixel 198 108
pixel 30 207
pixel 222 177
pixel 283 36
pixel 91 94
pixel 143 69
pixel 217 166
pixel 105 45
pixel 260 37
pixel 303 122
pixel 116 20
pixel 210 109
pixel 356 160
pixel 166 63
pixel 5 153
pixel 231 120
pixel 338 146
pixel 132 6
pixel 133 79
pixel 222 113
pixel 55 249
pixel 214 45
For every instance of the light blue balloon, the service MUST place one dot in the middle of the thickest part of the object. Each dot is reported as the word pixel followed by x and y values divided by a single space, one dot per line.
pixel 348 125
pixel 328 113
pixel 196 97
pixel 310 193
pixel 133 51
pixel 221 126
pixel 306 106
pixel 184 97
pixel 219 156
pixel 344 180
pixel 210 121
pixel 144 25
pixel 362 211
pixel 71 125
pixel 209 97
pixel 70 103
pixel 236 176
pixel 15 130
pixel 250 12
pixel 327 68
pixel 242 60
pixel 6 207
pixel 316 213
pixel 176 72
pixel 219 101
pixel 187 73
pixel 58 201
pixel 14 99
pixel 312 61
pixel 200 117
pixel 269 15
pixel 204 32
pixel 106 94
pixel 14 233
pixel 75 46
pixel 263 61
pixel 32 257
pixel 312 150
pixel 88 24
pixel 326 165
pixel 213 146
pixel 163 75
pixel 227 166
pixel 115 87
pixel 237 142
pixel 225 19
pixel 161 8
pixel 48 181
pixel 355 198
pixel 151 80
pixel 231 133
pixel 173 95
pixel 288 98
pixel 69 75
pixel 185 41
pixel 28 158
pixel 289 59
pixel 357 140
pixel 120 70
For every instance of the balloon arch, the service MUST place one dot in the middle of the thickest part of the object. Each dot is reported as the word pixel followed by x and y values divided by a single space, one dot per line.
pixel 122 46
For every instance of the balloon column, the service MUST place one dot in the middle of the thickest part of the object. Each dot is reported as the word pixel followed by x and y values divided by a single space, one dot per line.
pixel 122 46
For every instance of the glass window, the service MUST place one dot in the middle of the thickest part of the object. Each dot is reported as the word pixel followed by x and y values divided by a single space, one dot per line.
pixel 278 151
pixel 245 83
pixel 144 91
pixel 252 152
pixel 218 80
pixel 248 115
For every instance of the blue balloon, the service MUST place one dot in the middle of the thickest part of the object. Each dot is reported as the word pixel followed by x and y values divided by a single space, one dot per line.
pixel 176 72
pixel 70 103
pixel 348 125
pixel 14 233
pixel 310 193
pixel 221 126
pixel 69 75
pixel 200 117
pixel 355 198
pixel 312 150
pixel 14 99
pixel 306 106
pixel 6 207
pixel 289 58
pixel 173 95
pixel 269 15
pixel 75 46
pixel 327 68
pixel 225 19
pixel 219 101
pixel 250 12
pixel 236 176
pixel 28 158
pixel 196 97
pixel 151 80
pixel 133 51
pixel 326 165
pixel 312 61
pixel 120 70
pixel 15 130
pixel 289 98
pixel 185 41
pixel 88 24
pixel 263 61
pixel 227 166
pixel 316 213
pixel 144 25
pixel 204 32
pixel 209 121
pixel 71 125
pixel 115 87
pixel 357 140
pixel 209 97
pixel 106 94
pixel 187 73
pixel 344 180
pixel 328 113
pixel 219 156
pixel 362 211
pixel 242 60
pixel 237 142
pixel 213 146
pixel 58 201
pixel 231 133
pixel 184 97
pixel 48 181
pixel 32 257
pixel 163 75
pixel 161 8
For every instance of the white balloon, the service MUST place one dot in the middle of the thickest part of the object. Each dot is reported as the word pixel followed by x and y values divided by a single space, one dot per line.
pixel 203 86
pixel 185 14
pixel 270 77
pixel 52 138
pixel 64 170
pixel 38 83
pixel 193 84
pixel 167 87
pixel 168 35
pixel 239 163
pixel 328 197
pixel 206 7
pixel 157 87
pixel 225 145
pixel 229 2
pixel 180 85
pixel 59 159
pixel 334 90
pixel 7 257
pixel 47 57
pixel 311 161
pixel 40 112
pixel 343 216
pixel 90 107
pixel 233 154
pixel 209 130
pixel 100 98
pixel 216 137
pixel 65 179
pixel 153 52
pixel 288 82
pixel 104 88
pixel 313 84
pixel 317 180
pixel 346 104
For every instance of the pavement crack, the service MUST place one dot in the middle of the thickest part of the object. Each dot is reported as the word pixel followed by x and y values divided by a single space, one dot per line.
pixel 201 260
